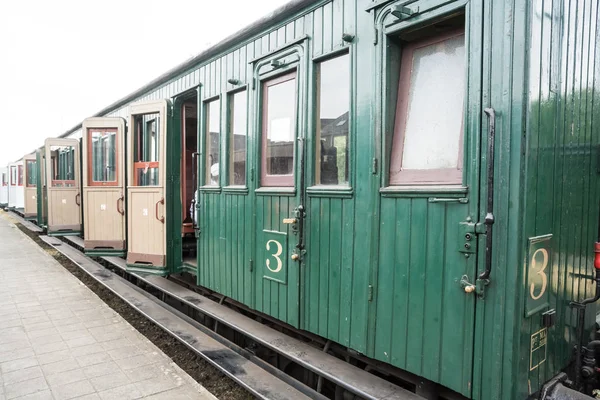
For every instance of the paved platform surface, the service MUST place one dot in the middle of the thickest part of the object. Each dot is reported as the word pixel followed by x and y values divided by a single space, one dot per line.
pixel 58 340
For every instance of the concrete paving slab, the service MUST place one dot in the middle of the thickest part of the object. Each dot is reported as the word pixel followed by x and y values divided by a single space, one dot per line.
pixel 58 340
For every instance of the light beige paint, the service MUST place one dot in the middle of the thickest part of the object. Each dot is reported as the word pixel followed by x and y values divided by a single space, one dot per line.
pixel 63 211
pixel 146 234
pixel 101 219
pixel 30 208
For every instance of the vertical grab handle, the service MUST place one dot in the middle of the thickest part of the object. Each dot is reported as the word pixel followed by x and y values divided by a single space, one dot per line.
pixel 489 216
pixel 78 196
pixel 120 210
pixel 161 219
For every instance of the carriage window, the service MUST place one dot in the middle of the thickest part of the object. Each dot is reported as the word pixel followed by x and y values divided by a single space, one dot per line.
pixel 279 131
pixel 333 83
pixel 237 138
pixel 13 175
pixel 428 131
pixel 20 174
pixel 146 150
pixel 4 180
pixel 213 138
pixel 31 173
pixel 63 166
pixel 102 151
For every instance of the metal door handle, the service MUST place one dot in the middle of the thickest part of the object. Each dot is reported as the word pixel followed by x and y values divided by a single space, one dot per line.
pixel 161 219
pixel 120 210
pixel 76 197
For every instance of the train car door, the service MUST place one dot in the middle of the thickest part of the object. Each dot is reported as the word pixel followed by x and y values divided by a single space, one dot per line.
pixel 30 186
pixel 4 188
pixel 63 187
pixel 104 186
pixel 278 207
pixel 146 195
pixel 42 194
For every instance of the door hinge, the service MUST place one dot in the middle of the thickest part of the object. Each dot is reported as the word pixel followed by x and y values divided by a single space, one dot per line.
pixel 375 166
pixel 251 174
pixel 370 293
pixel 251 265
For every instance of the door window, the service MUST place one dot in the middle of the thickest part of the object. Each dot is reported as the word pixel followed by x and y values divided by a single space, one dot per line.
pixel 63 166
pixel 102 156
pixel 13 175
pixel 31 175
pixel 333 105
pixel 237 138
pixel 20 174
pixel 213 138
pixel 428 131
pixel 4 180
pixel 279 131
pixel 146 162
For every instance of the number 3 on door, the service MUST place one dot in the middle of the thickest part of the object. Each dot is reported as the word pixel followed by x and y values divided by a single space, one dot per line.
pixel 538 270
pixel 275 257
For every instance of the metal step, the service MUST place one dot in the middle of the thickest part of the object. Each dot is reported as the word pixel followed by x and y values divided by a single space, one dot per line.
pixel 353 379
pixel 253 378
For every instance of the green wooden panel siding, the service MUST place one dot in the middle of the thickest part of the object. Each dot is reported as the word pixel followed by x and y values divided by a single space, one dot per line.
pixel 561 178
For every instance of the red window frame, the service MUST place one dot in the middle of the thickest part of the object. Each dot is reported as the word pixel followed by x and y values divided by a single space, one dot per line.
pixel 275 180
pixel 447 176
pixel 20 175
pixel 90 172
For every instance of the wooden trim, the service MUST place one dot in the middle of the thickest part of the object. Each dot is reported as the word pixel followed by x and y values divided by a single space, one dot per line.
pixel 433 176
pixel 266 179
pixel 90 158
pixel 142 165
pixel 64 182
pixel 146 259
pixel 104 244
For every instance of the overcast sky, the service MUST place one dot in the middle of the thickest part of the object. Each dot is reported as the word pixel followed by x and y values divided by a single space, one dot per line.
pixel 64 60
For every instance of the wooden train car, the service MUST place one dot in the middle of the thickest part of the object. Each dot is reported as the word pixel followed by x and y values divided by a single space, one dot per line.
pixel 413 182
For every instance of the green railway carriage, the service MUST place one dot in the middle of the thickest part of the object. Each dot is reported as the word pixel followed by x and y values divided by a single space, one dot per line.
pixel 415 182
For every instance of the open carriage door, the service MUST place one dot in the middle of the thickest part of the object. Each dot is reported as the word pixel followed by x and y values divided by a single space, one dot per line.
pixel 146 200
pixel 62 179
pixel 104 186
pixel 30 187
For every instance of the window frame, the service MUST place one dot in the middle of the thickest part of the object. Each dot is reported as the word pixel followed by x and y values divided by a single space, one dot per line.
pixel 287 180
pixel 141 132
pixel 345 52
pixel 27 177
pixel 90 172
pixel 429 177
pixel 20 177
pixel 230 136
pixel 206 149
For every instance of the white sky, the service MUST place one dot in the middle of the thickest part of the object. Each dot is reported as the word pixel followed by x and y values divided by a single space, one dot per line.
pixel 64 60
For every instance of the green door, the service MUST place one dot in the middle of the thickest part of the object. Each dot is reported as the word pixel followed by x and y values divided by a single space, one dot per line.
pixel 279 217
pixel 428 241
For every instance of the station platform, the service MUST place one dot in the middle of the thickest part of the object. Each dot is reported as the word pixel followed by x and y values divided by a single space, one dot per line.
pixel 58 340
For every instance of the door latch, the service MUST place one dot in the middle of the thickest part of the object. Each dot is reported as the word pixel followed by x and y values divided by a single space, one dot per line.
pixel 478 288
pixel 467 232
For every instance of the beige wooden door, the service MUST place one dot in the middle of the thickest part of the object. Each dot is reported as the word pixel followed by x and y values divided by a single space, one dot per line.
pixel 30 186
pixel 146 200
pixel 103 185
pixel 62 177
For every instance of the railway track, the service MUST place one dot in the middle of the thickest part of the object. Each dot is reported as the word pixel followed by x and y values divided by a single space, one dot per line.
pixel 193 319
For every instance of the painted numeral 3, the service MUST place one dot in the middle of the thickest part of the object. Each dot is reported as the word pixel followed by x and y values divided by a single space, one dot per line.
pixel 541 271
pixel 275 256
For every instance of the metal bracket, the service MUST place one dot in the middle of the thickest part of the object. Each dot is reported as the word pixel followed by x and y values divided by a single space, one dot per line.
pixel 478 288
pixel 403 12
